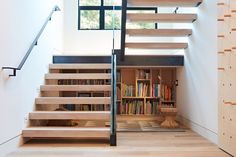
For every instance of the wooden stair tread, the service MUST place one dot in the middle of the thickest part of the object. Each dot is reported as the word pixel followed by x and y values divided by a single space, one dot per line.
pixel 80 66
pixel 81 115
pixel 91 76
pixel 73 100
pixel 159 32
pixel 76 88
pixel 165 3
pixel 66 132
pixel 156 45
pixel 165 18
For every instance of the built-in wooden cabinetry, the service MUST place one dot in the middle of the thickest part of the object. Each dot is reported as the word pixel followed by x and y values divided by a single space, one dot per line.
pixel 143 91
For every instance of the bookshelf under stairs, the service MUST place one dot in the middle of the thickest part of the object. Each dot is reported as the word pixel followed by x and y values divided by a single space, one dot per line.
pixel 72 93
pixel 142 92
pixel 138 42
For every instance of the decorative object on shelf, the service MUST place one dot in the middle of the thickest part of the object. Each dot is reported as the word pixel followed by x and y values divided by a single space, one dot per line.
pixel 170 116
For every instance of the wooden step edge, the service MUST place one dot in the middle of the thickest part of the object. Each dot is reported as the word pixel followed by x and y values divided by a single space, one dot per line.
pixel 82 76
pixel 65 115
pixel 162 17
pixel 66 132
pixel 73 100
pixel 156 45
pixel 47 88
pixel 159 32
pixel 79 66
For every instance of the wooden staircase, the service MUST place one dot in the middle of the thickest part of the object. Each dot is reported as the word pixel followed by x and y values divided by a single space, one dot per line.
pixel 68 84
pixel 173 17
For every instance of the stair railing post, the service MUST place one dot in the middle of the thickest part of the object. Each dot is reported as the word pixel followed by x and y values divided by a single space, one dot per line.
pixel 123 28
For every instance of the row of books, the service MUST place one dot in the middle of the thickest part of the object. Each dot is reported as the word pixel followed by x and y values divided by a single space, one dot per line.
pixel 152 107
pixel 132 107
pixel 127 90
pixel 167 93
pixel 100 107
pixel 143 89
pixel 81 82
pixel 156 90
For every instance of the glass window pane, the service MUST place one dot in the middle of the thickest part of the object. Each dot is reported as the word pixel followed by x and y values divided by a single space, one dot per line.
pixel 89 2
pixel 111 2
pixel 109 19
pixel 89 19
pixel 140 25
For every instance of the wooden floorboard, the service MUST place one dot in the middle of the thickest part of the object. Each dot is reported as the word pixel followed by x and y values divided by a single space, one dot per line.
pixel 155 144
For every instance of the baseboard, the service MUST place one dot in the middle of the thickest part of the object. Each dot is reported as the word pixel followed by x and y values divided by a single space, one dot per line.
pixel 10 145
pixel 201 130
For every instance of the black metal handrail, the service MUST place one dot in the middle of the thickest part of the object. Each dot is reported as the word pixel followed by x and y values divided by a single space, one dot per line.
pixel 34 43
pixel 113 101
pixel 123 28
pixel 113 83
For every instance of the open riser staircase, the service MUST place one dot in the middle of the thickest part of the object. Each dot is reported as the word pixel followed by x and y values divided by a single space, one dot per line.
pixel 136 39
pixel 69 90
pixel 83 91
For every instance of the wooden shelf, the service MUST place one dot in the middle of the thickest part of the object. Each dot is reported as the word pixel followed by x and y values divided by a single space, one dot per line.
pixel 168 101
pixel 138 117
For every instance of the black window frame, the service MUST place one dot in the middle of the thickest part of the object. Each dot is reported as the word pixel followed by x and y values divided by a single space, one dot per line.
pixel 102 10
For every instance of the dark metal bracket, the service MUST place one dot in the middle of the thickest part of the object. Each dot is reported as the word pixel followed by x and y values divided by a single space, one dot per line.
pixel 11 68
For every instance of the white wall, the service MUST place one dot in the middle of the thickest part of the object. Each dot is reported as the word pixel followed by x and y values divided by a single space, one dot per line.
pixel 20 22
pixel 85 42
pixel 197 91
pixel 99 42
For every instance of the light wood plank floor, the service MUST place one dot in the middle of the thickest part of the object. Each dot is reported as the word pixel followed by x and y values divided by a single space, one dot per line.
pixel 155 144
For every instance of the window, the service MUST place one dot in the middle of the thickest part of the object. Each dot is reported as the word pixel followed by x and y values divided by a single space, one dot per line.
pixel 98 15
